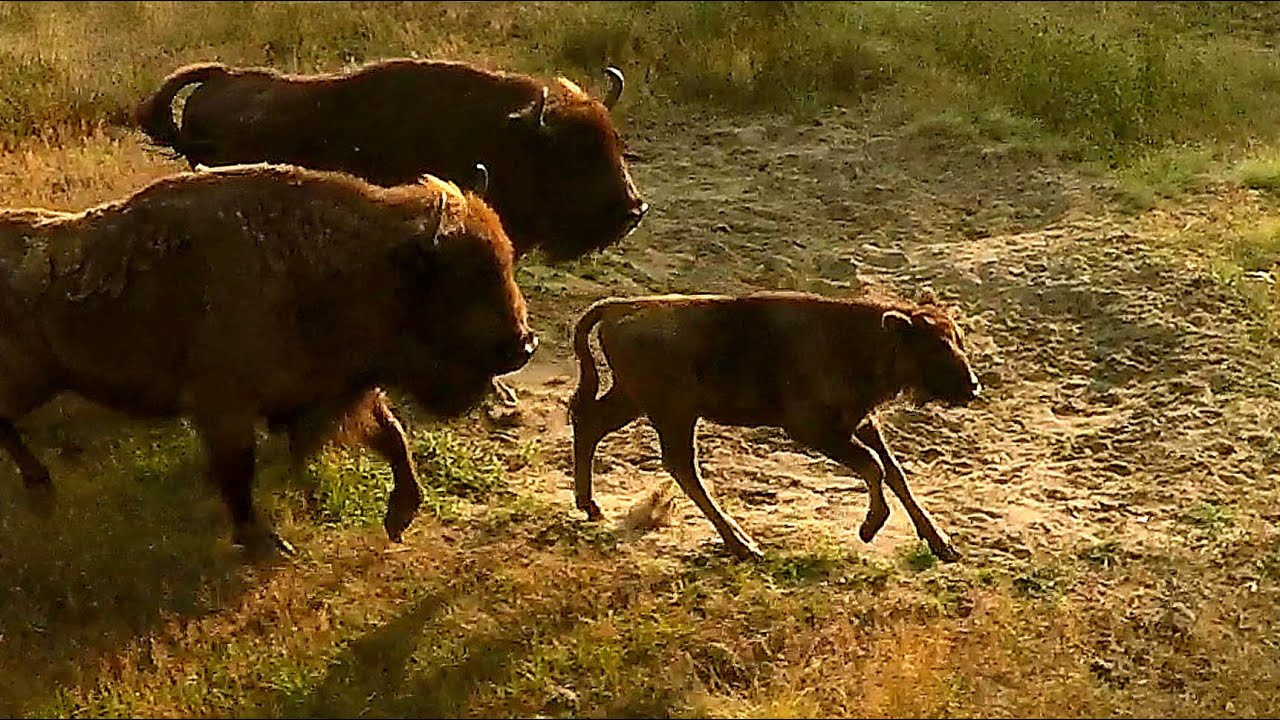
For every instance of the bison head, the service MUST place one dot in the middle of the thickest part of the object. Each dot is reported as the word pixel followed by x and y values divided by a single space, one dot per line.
pixel 466 307
pixel 931 356
pixel 583 197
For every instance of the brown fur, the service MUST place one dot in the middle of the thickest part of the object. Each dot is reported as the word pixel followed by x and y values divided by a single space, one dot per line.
pixel 564 187
pixel 817 367
pixel 258 292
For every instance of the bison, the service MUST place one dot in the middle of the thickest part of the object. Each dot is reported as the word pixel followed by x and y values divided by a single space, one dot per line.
pixel 259 292
pixel 814 366
pixel 560 179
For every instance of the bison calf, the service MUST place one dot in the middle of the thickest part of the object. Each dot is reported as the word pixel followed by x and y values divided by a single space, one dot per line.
pixel 813 366
pixel 260 292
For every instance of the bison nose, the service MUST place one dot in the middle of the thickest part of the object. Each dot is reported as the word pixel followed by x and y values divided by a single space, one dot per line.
pixel 517 355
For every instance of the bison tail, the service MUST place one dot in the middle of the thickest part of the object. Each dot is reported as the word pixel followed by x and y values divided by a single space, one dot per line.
pixel 588 376
pixel 155 114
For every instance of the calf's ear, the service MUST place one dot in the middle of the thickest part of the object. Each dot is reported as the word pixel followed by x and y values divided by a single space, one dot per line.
pixel 894 321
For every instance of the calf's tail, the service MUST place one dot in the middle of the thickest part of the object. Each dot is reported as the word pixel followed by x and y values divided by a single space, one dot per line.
pixel 588 376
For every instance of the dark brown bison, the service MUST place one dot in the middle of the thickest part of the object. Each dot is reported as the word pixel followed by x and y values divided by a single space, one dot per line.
pixel 814 366
pixel 560 181
pixel 259 292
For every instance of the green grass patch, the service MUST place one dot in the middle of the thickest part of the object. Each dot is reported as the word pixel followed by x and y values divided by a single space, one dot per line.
pixel 917 557
pixel 1210 517
pixel 1260 174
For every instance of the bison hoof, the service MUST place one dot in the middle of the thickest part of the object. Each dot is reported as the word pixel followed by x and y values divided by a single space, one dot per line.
pixel 506 394
pixel 40 498
pixel 592 510
pixel 397 520
pixel 945 552
pixel 747 552
pixel 262 545
pixel 871 526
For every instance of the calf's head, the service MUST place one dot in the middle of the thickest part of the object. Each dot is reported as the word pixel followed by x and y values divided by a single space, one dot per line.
pixel 931 358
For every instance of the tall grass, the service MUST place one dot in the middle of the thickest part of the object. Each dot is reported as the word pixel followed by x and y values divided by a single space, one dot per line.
pixel 1113 77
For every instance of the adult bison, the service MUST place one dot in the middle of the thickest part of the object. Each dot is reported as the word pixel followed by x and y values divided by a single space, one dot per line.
pixel 258 292
pixel 560 182
pixel 814 366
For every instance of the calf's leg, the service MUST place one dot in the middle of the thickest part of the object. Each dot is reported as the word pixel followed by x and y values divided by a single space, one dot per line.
pixel 592 420
pixel 679 457
pixel 938 541
pixel 830 440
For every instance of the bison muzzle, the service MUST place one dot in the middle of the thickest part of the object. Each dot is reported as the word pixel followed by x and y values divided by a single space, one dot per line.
pixel 260 292
pixel 816 367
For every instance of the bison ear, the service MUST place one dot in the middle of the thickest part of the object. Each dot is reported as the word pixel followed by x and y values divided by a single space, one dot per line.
pixel 924 321
pixel 534 114
pixel 894 321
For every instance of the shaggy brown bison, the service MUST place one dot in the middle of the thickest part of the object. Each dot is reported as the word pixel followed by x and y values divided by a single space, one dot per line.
pixel 560 181
pixel 814 366
pixel 259 292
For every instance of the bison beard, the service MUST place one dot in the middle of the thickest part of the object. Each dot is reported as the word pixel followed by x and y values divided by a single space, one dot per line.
pixel 260 292
pixel 813 366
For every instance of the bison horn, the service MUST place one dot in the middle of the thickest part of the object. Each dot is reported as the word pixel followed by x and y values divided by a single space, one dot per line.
pixel 536 108
pixel 894 320
pixel 615 87
pixel 482 179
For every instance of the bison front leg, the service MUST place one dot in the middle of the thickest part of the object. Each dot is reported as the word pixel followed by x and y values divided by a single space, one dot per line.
pixel 35 476
pixel 229 442
pixel 679 458
pixel 828 439
pixel 506 394
pixel 939 543
pixel 371 424
pixel 592 420
pixel 389 441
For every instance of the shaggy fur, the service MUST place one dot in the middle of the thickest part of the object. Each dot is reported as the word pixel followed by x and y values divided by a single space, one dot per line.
pixel 560 181
pixel 258 292
pixel 814 366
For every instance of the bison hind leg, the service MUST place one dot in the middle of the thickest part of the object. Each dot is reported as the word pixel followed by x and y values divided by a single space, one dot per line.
pixel 592 420
pixel 35 476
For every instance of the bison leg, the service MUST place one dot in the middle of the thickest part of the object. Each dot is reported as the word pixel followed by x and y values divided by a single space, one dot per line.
pixel 506 394
pixel 854 455
pixel 390 442
pixel 592 420
pixel 35 476
pixel 878 510
pixel 370 423
pixel 938 542
pixel 230 446
pixel 679 458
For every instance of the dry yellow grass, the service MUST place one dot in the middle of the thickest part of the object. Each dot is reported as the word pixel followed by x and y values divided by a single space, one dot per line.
pixel 130 602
